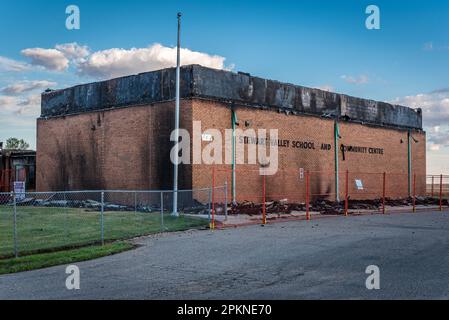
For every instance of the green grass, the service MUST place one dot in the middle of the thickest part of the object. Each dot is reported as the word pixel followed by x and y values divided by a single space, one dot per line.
pixel 45 260
pixel 42 229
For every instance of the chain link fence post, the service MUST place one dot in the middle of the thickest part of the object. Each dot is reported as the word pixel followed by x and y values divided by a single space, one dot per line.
pixel 102 218
pixel 226 200
pixel 209 206
pixel 66 212
pixel 16 246
pixel 441 193
pixel 384 191
pixel 162 211
pixel 307 195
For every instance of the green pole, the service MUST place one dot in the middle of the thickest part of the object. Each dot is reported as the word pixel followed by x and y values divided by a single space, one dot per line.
pixel 336 135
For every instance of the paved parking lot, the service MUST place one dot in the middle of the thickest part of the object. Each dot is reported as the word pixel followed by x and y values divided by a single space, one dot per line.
pixel 324 258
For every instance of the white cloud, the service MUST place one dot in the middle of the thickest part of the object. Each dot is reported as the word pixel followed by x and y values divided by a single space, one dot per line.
pixel 18 117
pixel 9 65
pixel 362 79
pixel 435 107
pixel 438 140
pixel 116 62
pixel 26 86
pixel 28 106
pixel 119 62
pixel 8 103
pixel 51 59
pixel 73 50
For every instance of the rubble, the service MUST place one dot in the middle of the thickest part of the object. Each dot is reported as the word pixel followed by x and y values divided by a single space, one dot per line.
pixel 189 207
pixel 327 207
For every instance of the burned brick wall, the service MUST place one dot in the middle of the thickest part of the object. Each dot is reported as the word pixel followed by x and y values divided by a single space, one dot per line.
pixel 127 148
pixel 115 134
pixel 226 86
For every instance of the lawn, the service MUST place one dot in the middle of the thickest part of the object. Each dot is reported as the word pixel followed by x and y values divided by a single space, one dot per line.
pixel 44 229
pixel 44 260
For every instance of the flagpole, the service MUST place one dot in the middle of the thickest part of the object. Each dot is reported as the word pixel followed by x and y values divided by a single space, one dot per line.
pixel 178 78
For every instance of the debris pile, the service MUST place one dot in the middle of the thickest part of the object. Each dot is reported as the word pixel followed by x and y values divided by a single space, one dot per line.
pixel 251 208
pixel 187 206
pixel 328 207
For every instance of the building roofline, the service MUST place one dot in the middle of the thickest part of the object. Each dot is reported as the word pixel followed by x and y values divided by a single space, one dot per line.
pixel 197 81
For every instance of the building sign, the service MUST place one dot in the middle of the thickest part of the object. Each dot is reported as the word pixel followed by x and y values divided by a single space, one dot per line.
pixel 359 149
pixel 294 144
pixel 19 190
pixel 309 145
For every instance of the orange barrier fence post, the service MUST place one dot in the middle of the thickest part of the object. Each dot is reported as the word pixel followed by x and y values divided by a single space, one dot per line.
pixel 414 192
pixel 432 185
pixel 307 195
pixel 212 226
pixel 441 192
pixel 347 193
pixel 264 200
pixel 384 191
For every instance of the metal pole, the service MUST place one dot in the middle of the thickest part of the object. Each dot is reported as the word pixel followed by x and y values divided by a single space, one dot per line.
pixel 336 137
pixel 414 193
pixel 432 185
pixel 307 195
pixel 346 193
pixel 178 79
pixel 212 226
pixel 66 211
pixel 162 211
pixel 233 116
pixel 441 192
pixel 409 163
pixel 102 218
pixel 226 199
pixel 210 205
pixel 16 247
pixel 384 191
pixel 264 199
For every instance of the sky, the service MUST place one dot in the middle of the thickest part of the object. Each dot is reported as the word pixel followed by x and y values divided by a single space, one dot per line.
pixel 323 44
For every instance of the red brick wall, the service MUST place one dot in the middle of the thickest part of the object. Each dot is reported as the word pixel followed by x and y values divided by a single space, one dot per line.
pixel 287 183
pixel 129 148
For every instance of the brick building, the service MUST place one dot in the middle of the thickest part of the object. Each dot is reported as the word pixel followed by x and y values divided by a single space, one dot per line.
pixel 17 165
pixel 115 134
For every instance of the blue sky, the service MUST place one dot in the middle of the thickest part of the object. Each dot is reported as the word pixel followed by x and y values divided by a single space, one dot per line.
pixel 313 43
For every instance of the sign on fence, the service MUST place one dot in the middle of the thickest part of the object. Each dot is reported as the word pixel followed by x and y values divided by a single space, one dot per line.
pixel 19 190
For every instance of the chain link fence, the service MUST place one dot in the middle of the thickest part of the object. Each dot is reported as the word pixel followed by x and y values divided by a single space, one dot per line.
pixel 35 222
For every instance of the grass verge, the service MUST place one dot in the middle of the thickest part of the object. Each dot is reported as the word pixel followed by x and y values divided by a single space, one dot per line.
pixel 45 260
pixel 46 229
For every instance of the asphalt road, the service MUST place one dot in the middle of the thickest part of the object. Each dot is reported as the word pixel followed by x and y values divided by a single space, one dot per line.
pixel 322 259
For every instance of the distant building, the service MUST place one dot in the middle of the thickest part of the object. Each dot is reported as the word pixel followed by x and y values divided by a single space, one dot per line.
pixel 17 165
